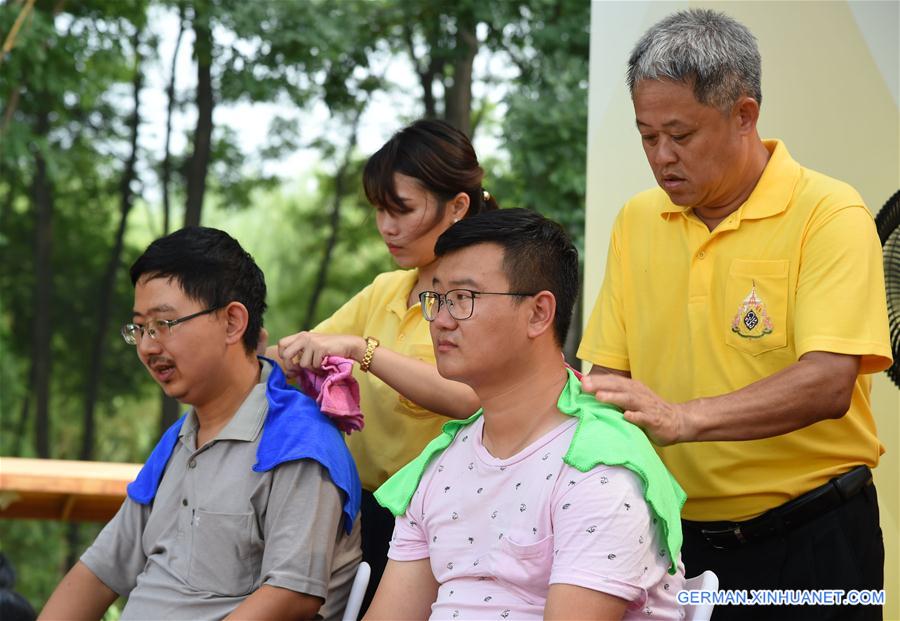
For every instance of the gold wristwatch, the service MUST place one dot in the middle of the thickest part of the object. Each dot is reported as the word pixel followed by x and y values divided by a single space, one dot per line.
pixel 371 344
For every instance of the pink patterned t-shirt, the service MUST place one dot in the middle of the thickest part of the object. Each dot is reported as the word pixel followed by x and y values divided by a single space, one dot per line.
pixel 499 532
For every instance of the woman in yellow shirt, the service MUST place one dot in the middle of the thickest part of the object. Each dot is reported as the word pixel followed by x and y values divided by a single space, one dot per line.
pixel 425 178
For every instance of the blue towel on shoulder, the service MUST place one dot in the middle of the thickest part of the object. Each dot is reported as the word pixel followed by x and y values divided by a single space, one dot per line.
pixel 294 429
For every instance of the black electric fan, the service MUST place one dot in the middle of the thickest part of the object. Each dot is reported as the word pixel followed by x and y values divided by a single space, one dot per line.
pixel 888 223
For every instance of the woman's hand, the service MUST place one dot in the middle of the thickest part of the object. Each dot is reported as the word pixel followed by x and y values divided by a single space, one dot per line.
pixel 305 350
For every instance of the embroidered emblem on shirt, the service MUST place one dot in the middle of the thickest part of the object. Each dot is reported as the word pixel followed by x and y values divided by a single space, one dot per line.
pixel 752 321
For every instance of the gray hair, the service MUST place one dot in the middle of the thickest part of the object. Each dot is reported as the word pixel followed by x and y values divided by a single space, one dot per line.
pixel 714 52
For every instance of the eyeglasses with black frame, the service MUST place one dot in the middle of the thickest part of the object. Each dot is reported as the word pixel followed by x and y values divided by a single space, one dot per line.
pixel 460 302
pixel 133 332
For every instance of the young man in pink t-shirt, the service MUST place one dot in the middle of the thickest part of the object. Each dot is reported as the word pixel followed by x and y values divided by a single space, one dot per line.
pixel 508 515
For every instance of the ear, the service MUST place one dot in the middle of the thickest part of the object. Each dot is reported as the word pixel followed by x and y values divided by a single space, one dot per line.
pixel 542 314
pixel 459 206
pixel 746 114
pixel 236 319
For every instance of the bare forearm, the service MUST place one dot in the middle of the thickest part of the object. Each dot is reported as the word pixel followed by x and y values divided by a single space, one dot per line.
pixel 406 591
pixel 275 603
pixel 420 383
pixel 414 379
pixel 816 387
pixel 810 390
pixel 81 596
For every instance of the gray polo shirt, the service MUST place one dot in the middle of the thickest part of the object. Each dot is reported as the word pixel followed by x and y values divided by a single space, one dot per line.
pixel 217 531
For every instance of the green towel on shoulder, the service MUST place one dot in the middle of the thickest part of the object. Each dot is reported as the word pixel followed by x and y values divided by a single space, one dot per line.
pixel 602 436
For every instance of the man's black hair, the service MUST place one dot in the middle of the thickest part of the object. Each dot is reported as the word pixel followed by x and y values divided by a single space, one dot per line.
pixel 538 255
pixel 211 268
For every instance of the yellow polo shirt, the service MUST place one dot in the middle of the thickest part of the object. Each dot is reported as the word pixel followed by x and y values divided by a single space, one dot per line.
pixel 396 429
pixel 693 313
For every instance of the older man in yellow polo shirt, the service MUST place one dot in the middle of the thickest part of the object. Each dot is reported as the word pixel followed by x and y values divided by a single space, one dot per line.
pixel 743 307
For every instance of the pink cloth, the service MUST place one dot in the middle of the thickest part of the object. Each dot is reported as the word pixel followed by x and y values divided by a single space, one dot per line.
pixel 335 391
pixel 499 532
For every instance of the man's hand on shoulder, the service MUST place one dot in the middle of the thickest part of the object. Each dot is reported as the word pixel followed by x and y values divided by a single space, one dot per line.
pixel 819 386
pixel 664 423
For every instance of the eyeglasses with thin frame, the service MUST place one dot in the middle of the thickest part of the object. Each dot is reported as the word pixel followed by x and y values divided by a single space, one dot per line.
pixel 460 302
pixel 157 328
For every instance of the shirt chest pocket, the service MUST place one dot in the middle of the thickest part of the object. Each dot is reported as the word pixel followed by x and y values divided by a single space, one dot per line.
pixel 756 304
pixel 226 553
pixel 524 568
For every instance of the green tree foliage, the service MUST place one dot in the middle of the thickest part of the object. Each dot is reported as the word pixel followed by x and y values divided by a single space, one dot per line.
pixel 440 37
pixel 63 138
pixel 65 102
pixel 67 70
pixel 545 127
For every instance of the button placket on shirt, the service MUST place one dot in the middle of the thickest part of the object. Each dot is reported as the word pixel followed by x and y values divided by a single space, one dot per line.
pixel 700 276
pixel 191 476
pixel 702 264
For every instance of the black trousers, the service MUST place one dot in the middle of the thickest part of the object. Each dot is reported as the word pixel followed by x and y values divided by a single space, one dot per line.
pixel 377 529
pixel 841 549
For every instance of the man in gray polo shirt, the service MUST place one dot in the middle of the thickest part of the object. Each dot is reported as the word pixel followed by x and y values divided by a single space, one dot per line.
pixel 247 507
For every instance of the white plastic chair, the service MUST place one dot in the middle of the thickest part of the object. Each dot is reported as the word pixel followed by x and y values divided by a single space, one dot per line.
pixel 707 581
pixel 357 592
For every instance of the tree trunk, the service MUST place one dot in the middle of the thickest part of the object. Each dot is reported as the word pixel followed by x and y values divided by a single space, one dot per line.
pixel 108 284
pixel 334 223
pixel 19 432
pixel 73 550
pixel 11 105
pixel 459 93
pixel 199 164
pixel 167 156
pixel 426 70
pixel 42 195
pixel 9 200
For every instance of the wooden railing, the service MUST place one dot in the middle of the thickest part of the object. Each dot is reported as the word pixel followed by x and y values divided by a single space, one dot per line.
pixel 53 489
